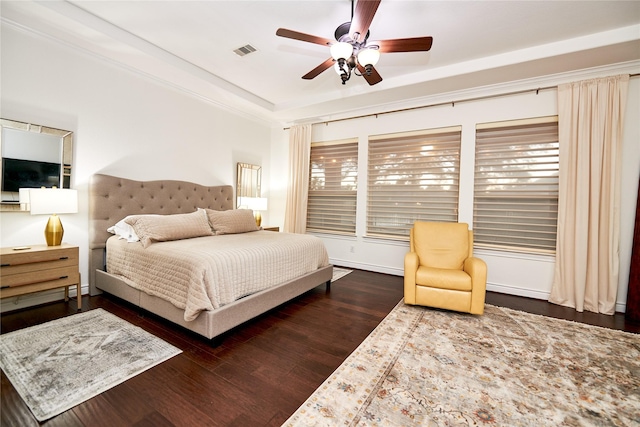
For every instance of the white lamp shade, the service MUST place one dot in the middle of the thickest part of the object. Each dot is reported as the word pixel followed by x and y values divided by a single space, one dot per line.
pixel 24 199
pixel 260 204
pixel 341 50
pixel 53 201
pixel 368 57
pixel 254 203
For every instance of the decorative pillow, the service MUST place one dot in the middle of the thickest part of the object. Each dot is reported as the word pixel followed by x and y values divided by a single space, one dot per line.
pixel 124 231
pixel 232 221
pixel 162 228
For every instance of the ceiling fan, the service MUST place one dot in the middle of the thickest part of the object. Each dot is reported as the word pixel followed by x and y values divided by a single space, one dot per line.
pixel 351 52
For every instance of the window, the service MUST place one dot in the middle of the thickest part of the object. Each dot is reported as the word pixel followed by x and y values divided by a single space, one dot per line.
pixel 412 176
pixel 516 185
pixel 332 187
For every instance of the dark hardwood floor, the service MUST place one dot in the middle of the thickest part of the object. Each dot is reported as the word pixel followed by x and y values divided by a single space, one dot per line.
pixel 262 370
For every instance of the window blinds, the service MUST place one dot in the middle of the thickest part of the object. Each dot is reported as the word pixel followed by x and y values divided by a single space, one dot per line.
pixel 333 177
pixel 516 185
pixel 412 176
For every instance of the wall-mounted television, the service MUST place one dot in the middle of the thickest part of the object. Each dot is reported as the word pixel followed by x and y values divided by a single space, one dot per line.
pixel 18 173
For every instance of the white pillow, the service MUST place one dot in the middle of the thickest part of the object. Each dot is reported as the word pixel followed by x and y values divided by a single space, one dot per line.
pixel 124 231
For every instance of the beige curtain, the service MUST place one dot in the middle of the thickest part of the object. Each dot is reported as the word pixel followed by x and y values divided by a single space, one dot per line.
pixel 295 217
pixel 590 116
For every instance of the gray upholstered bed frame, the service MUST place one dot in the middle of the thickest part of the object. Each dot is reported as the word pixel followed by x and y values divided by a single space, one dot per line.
pixel 112 198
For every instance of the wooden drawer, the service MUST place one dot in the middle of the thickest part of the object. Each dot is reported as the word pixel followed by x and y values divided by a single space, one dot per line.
pixel 19 261
pixel 64 281
pixel 39 268
pixel 39 275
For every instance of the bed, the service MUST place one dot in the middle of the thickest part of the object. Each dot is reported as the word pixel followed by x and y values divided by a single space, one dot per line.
pixel 218 305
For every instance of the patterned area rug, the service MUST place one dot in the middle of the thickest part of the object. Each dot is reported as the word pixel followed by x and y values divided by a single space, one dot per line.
pixel 60 364
pixel 339 272
pixel 505 368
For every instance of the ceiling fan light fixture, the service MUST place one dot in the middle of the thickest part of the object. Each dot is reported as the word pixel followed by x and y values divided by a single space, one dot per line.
pixel 341 50
pixel 352 53
pixel 343 70
pixel 368 57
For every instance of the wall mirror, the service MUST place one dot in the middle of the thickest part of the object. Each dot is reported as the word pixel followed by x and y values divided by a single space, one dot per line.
pixel 33 156
pixel 249 181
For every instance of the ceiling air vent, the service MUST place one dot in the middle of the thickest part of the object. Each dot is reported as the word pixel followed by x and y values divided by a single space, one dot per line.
pixel 244 50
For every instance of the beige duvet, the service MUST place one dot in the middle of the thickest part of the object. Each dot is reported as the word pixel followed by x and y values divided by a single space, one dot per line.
pixel 205 273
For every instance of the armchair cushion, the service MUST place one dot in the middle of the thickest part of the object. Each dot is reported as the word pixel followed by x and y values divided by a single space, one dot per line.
pixel 446 247
pixel 442 278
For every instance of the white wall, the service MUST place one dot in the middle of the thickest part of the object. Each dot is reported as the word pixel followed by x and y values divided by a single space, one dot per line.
pixel 512 273
pixel 125 125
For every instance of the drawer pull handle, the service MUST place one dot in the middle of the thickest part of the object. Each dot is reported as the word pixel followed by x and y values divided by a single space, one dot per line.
pixel 4 287
pixel 64 277
pixel 5 265
pixel 64 257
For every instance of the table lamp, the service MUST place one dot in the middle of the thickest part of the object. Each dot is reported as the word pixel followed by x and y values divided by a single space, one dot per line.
pixel 256 204
pixel 53 201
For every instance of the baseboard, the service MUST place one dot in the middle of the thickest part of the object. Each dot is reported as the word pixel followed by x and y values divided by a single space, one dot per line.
pixel 514 290
pixel 367 267
pixel 621 307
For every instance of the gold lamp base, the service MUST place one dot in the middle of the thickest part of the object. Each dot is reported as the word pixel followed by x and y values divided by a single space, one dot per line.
pixel 53 232
pixel 258 216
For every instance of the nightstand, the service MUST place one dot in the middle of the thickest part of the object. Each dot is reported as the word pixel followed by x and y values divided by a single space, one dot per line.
pixel 271 228
pixel 37 268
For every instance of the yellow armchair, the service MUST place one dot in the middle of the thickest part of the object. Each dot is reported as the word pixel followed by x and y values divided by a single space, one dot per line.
pixel 440 269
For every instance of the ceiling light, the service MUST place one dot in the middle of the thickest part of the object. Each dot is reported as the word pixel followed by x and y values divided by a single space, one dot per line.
pixel 343 69
pixel 341 50
pixel 368 57
pixel 345 53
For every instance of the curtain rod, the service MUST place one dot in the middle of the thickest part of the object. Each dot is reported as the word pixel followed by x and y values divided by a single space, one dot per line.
pixel 439 104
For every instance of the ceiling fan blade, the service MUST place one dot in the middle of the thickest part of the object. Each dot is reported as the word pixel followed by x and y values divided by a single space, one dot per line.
pixel 415 44
pixel 290 34
pixel 319 69
pixel 372 78
pixel 362 16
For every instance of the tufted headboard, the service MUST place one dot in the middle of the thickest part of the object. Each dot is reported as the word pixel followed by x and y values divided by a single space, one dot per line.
pixel 112 198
